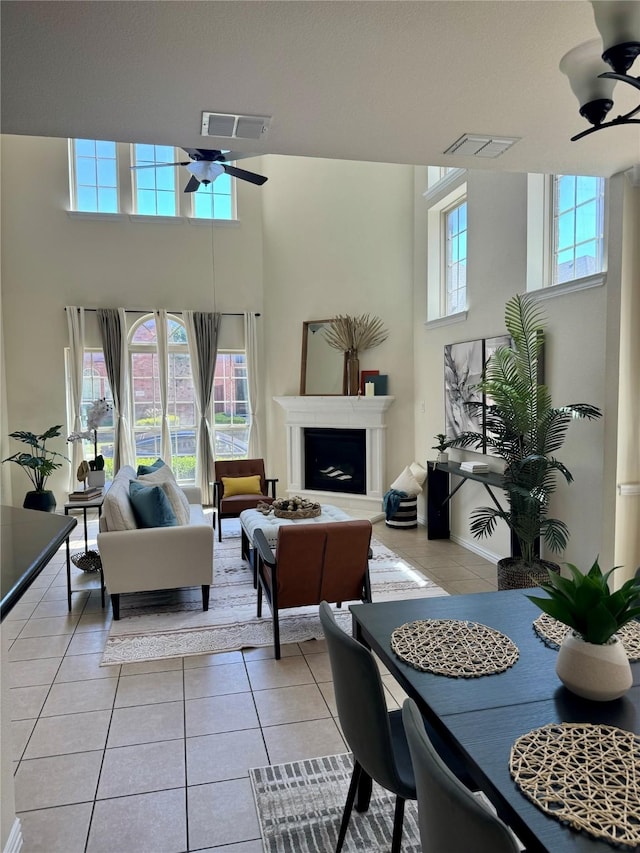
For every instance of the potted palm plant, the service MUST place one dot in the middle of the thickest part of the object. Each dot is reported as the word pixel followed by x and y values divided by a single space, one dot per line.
pixel 525 430
pixel 38 465
pixel 592 661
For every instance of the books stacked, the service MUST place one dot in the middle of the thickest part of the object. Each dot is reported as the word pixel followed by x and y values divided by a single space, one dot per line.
pixel 89 494
pixel 475 467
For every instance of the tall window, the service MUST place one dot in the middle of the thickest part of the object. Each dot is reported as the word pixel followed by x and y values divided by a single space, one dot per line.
pixel 455 273
pixel 231 413
pixel 94 176
pixel 95 386
pixel 215 200
pixel 155 188
pixel 147 410
pixel 231 408
pixel 578 227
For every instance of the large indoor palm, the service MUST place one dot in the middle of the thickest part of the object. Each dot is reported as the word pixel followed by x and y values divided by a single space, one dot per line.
pixel 525 429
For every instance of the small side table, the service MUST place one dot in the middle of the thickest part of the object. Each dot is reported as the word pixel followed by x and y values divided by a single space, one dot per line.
pixel 96 503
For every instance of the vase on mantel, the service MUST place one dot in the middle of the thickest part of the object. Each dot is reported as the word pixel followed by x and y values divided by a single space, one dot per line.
pixel 353 373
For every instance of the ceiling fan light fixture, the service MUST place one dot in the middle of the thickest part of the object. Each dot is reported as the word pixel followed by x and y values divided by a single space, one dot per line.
pixel 583 65
pixel 205 171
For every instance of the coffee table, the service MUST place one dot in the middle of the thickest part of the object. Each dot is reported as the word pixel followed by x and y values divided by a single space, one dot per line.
pixel 252 520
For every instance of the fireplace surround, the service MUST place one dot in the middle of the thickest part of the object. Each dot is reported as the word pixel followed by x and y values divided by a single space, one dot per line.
pixel 360 414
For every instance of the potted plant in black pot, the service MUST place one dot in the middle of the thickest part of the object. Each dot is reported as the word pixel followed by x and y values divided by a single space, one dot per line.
pixel 525 430
pixel 592 661
pixel 38 465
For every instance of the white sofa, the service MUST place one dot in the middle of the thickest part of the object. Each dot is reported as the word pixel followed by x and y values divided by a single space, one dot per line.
pixel 139 559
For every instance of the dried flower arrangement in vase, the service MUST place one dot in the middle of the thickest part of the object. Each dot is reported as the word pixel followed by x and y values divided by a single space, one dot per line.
pixel 353 335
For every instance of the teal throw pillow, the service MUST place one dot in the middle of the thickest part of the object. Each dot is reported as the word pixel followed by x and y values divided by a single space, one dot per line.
pixel 151 506
pixel 149 469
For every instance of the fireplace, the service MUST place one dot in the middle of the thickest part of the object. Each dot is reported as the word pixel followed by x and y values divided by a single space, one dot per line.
pixel 360 422
pixel 335 460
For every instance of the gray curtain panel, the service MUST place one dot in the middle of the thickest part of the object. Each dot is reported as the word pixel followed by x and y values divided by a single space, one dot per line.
pixel 113 335
pixel 202 334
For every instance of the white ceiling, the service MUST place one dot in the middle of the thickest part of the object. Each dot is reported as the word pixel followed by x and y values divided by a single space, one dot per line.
pixel 381 81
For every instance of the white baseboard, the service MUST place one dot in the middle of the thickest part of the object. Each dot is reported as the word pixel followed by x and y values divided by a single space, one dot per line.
pixel 15 840
pixel 473 546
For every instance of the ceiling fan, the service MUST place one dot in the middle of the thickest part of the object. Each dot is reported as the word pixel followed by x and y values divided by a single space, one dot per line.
pixel 206 165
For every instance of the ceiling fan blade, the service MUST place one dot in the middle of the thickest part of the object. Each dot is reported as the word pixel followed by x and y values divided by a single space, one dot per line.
pixel 228 156
pixel 204 153
pixel 193 184
pixel 155 165
pixel 259 180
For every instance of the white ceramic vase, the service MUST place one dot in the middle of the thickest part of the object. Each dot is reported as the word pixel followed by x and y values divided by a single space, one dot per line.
pixel 96 478
pixel 443 456
pixel 594 672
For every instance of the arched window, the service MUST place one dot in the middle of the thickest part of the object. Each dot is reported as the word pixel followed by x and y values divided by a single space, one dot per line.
pixel 145 388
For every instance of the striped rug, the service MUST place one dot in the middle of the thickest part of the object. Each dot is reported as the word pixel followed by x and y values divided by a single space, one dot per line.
pixel 300 807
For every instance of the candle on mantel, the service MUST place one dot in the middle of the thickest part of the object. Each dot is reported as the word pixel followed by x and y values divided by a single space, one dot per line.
pixel 369 389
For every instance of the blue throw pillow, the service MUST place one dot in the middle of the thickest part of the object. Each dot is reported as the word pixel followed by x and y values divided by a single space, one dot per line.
pixel 151 506
pixel 149 469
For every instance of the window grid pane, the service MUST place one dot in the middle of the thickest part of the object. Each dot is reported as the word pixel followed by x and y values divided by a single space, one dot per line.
pixel 95 385
pixel 155 188
pixel 456 259
pixel 95 176
pixel 578 227
pixel 214 200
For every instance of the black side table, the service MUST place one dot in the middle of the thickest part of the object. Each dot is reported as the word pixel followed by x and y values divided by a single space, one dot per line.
pixel 96 503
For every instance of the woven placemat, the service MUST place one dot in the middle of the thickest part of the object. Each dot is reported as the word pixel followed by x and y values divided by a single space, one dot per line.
pixel 454 648
pixel 587 776
pixel 552 633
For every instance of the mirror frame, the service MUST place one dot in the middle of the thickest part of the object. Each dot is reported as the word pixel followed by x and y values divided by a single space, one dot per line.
pixel 303 362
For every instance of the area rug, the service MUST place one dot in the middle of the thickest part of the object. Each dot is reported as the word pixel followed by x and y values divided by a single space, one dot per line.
pixel 300 807
pixel 171 623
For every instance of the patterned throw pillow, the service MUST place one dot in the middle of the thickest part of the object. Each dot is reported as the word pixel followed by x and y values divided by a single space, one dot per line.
pixel 151 506
pixel 241 486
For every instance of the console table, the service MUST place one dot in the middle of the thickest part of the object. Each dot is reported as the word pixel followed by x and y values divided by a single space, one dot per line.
pixel 439 493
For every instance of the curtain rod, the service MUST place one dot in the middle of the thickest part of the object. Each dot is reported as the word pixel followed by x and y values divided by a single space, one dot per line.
pixel 151 310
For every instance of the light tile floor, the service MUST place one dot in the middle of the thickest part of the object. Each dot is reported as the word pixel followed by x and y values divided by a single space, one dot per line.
pixel 154 758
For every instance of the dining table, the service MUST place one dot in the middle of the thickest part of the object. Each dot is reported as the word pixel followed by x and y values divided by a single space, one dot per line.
pixel 481 717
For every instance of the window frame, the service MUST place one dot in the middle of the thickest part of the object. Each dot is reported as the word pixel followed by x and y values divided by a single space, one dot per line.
pixel 446 265
pixel 74 177
pixel 540 240
pixel 444 195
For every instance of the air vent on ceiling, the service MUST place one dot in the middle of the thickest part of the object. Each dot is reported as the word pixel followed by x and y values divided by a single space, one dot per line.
pixel 474 145
pixel 234 126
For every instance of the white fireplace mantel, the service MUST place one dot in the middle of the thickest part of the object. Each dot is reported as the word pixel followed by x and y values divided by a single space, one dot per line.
pixel 368 413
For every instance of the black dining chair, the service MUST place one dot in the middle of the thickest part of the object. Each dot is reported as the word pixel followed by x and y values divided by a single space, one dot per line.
pixel 374 735
pixel 450 817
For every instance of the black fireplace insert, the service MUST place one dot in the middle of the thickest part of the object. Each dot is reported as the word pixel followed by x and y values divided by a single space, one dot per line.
pixel 335 460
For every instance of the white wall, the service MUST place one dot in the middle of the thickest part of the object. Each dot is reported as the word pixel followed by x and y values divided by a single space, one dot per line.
pixel 576 352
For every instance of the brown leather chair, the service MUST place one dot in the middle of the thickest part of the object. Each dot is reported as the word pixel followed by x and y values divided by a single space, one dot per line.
pixel 313 563
pixel 232 506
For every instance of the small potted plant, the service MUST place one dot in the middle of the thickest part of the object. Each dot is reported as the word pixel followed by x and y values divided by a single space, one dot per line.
pixel 38 465
pixel 442 446
pixel 592 661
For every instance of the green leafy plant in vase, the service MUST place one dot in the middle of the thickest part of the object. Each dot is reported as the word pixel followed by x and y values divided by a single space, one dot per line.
pixel 526 430
pixel 442 445
pixel 38 464
pixel 592 661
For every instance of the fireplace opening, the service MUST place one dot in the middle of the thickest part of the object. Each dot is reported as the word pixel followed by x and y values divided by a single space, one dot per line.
pixel 335 460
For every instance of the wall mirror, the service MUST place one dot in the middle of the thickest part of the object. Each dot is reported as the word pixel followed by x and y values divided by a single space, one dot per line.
pixel 322 370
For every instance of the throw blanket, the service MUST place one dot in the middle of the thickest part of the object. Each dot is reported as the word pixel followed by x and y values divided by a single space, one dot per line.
pixel 391 502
